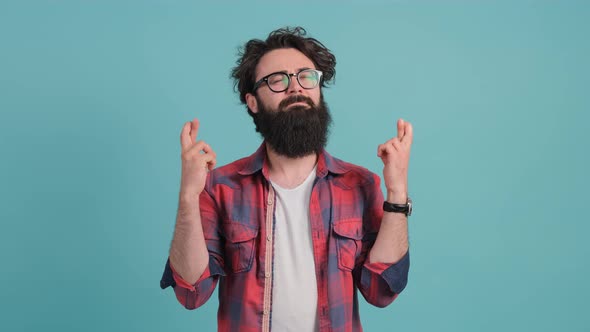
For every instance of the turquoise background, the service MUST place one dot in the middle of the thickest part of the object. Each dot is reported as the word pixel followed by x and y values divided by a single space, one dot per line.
pixel 93 95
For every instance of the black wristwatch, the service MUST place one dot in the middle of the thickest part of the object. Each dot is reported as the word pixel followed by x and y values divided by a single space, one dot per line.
pixel 399 208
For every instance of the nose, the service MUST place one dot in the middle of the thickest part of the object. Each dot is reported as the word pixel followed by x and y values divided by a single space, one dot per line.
pixel 294 86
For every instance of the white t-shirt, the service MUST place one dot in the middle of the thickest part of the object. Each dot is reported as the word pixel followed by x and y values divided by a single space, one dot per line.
pixel 295 292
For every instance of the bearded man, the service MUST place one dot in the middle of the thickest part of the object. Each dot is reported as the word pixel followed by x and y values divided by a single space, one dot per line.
pixel 290 232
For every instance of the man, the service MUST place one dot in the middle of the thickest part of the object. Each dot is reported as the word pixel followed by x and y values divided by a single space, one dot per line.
pixel 290 232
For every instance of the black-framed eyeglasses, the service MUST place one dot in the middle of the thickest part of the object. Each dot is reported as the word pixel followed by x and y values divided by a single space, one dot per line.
pixel 280 81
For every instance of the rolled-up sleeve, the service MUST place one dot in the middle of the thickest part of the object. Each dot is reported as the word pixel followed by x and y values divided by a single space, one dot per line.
pixel 380 283
pixel 192 296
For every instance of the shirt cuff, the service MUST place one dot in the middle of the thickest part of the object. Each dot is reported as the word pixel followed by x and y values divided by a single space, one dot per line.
pixel 395 275
pixel 171 278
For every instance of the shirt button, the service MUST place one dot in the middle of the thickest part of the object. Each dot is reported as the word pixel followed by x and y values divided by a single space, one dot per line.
pixel 265 312
pixel 267 275
pixel 268 238
pixel 269 202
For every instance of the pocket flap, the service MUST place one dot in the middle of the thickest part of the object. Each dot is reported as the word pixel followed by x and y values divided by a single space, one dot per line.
pixel 237 232
pixel 352 229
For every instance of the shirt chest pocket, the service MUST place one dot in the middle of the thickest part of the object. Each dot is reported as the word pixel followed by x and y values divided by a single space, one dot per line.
pixel 348 235
pixel 240 245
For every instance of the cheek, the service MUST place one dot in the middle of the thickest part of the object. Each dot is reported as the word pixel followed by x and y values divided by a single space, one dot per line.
pixel 273 102
pixel 269 101
pixel 315 96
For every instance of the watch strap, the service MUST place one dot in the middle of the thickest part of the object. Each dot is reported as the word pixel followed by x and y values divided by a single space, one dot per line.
pixel 398 208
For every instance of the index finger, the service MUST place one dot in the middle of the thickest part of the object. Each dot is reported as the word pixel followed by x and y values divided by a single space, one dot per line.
pixel 185 138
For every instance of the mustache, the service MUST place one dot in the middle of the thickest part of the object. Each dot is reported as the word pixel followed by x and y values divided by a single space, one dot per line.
pixel 295 99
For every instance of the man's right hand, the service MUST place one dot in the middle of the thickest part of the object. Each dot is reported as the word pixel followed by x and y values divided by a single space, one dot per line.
pixel 197 160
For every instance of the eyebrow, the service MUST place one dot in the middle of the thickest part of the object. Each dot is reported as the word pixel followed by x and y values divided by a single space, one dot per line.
pixel 284 71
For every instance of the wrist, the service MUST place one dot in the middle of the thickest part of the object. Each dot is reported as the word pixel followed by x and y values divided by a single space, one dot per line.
pixel 397 197
pixel 188 197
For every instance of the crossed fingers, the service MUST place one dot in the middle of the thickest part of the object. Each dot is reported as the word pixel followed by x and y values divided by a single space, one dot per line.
pixel 401 142
pixel 193 150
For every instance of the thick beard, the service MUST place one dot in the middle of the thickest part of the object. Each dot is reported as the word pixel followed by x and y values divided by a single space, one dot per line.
pixel 297 131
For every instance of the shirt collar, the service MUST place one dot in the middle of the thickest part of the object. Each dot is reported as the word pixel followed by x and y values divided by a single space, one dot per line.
pixel 326 163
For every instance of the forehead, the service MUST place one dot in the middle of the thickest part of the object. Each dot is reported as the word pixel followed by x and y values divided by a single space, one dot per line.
pixel 284 59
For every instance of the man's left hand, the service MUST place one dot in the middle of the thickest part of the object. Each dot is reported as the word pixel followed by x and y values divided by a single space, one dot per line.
pixel 395 155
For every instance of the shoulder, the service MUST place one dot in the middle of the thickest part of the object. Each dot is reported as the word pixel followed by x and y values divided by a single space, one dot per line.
pixel 228 174
pixel 353 175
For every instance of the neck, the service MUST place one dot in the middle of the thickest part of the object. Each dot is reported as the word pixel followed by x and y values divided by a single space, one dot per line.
pixel 289 172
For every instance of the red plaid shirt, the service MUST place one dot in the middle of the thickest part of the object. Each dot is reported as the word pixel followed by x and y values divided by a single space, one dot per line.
pixel 237 214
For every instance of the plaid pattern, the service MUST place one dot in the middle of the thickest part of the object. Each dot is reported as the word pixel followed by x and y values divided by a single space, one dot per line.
pixel 345 214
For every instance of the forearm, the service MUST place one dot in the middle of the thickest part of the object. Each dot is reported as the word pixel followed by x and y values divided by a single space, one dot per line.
pixel 188 252
pixel 392 240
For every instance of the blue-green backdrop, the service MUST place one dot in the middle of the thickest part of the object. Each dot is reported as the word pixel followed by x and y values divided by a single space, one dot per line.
pixel 93 95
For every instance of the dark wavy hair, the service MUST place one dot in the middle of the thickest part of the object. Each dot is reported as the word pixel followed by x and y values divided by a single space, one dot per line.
pixel 250 54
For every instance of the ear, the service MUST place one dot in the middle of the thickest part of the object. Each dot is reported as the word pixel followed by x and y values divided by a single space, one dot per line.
pixel 252 102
